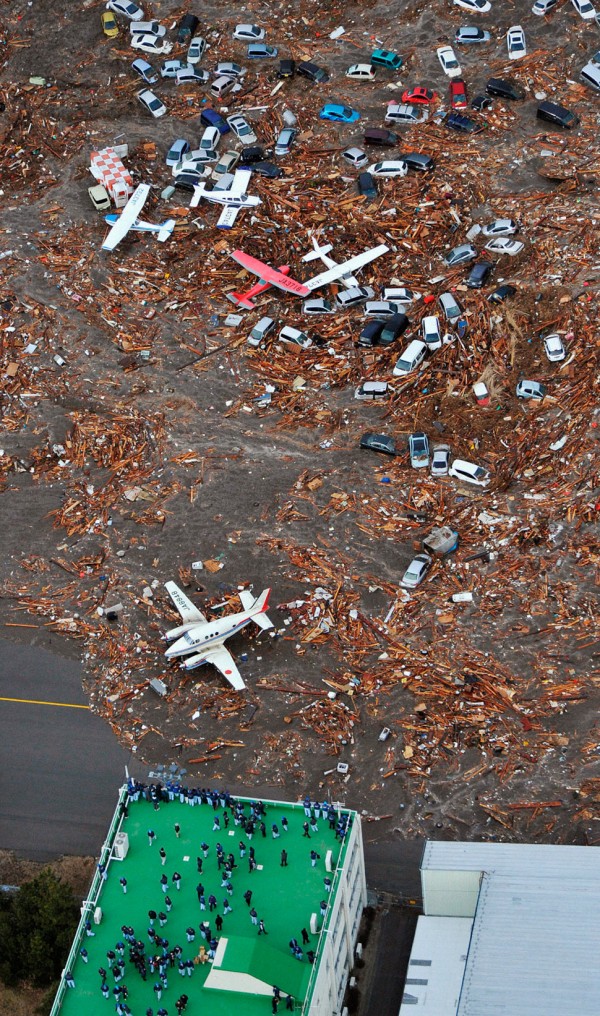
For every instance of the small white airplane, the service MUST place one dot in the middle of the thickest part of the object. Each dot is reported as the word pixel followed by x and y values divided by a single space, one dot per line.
pixel 206 639
pixel 128 217
pixel 275 277
pixel 234 199
pixel 321 252
pixel 163 230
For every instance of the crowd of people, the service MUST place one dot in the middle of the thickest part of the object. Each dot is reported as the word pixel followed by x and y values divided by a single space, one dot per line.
pixel 159 959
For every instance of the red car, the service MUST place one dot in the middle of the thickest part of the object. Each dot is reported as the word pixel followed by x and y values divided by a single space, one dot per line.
pixel 414 96
pixel 458 94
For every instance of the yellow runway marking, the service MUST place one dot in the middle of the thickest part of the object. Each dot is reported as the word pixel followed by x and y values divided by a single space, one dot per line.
pixel 38 702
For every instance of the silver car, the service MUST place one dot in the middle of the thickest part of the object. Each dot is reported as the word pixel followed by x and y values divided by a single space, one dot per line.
pixel 416 571
pixel 460 255
pixel 440 460
pixel 285 140
pixel 450 306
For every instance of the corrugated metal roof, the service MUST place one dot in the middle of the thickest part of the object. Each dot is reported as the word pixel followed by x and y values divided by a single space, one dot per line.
pixel 436 966
pixel 518 859
pixel 535 944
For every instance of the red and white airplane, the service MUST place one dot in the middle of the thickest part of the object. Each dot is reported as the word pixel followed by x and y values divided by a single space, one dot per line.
pixel 278 277
pixel 206 639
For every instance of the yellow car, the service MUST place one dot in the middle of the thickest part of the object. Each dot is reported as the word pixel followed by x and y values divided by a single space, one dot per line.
pixel 109 25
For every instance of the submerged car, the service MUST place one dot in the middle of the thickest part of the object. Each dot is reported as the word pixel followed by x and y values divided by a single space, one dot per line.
pixel 460 255
pixel 338 113
pixel 379 443
pixel 389 167
pixel 468 35
pixel 418 447
pixel 416 571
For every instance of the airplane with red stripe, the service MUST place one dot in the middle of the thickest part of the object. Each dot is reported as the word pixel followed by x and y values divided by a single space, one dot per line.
pixel 279 278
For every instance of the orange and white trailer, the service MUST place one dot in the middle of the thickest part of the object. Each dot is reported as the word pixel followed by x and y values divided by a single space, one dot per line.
pixel 107 168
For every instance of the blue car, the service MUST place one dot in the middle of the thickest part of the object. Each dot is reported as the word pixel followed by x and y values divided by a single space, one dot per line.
pixel 338 113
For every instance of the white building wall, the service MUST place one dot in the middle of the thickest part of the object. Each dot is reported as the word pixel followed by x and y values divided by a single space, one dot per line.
pixel 450 893
pixel 335 958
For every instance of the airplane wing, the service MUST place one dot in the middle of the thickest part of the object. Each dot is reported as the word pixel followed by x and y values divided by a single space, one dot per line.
pixel 189 612
pixel 346 267
pixel 241 182
pixel 221 658
pixel 228 217
pixel 268 274
pixel 127 217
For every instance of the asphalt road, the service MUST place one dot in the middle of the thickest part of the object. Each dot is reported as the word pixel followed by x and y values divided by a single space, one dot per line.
pixel 60 767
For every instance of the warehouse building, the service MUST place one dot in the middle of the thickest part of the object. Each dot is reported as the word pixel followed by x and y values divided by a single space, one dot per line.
pixel 306 877
pixel 508 930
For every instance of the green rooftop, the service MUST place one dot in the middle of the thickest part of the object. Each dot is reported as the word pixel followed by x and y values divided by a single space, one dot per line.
pixel 247 964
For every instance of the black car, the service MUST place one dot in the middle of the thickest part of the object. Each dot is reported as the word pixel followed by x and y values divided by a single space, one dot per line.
pixel 417 161
pixel 311 71
pixel 380 136
pixel 502 293
pixel 505 89
pixel 252 153
pixel 286 69
pixel 479 274
pixel 463 124
pixel 379 443
pixel 395 326
pixel 557 115
pixel 187 27
pixel 371 333
pixel 187 181
pixel 481 102
pixel 263 168
pixel 367 186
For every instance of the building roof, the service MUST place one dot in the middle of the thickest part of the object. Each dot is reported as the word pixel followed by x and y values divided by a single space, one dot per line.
pixel 436 966
pixel 542 860
pixel 534 947
pixel 247 965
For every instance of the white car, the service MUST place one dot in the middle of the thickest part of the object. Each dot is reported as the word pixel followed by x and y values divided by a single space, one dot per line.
pixel 260 331
pixel 450 64
pixel 500 227
pixel 317 305
pixel 515 43
pixel 209 142
pixel 192 75
pixel 356 157
pixel 169 68
pixel 585 9
pixel 440 460
pixel 356 294
pixel 229 69
pixel 554 349
pixel 475 6
pixel 242 128
pixel 361 72
pixel 151 44
pixel 248 33
pixel 369 390
pixel 147 28
pixel 196 49
pixel 430 332
pixel 381 308
pixel 195 162
pixel 128 10
pixel 543 7
pixel 416 571
pixel 468 472
pixel 294 337
pixel 530 390
pixel 389 167
pixel 151 102
pixel 505 246
pixel 400 294
pixel 400 112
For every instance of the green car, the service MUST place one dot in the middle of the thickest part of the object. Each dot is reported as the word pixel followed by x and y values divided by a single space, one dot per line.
pixel 385 58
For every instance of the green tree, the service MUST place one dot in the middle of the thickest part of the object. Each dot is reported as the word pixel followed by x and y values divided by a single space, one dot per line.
pixel 36 930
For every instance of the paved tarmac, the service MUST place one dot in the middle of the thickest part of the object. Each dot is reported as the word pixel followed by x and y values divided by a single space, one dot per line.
pixel 60 767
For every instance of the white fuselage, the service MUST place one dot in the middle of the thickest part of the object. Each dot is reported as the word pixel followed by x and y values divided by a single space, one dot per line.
pixel 198 636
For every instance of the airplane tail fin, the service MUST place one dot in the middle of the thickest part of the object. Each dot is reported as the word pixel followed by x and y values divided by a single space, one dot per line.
pixel 318 250
pixel 260 606
pixel 165 230
pixel 240 300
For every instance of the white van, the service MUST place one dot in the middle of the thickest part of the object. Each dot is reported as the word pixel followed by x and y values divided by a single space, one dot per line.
pixel 413 355
pixel 590 75
pixel 468 472
pixel 356 294
pixel 430 331
pixel 260 331
pixel 221 86
pixel 294 337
